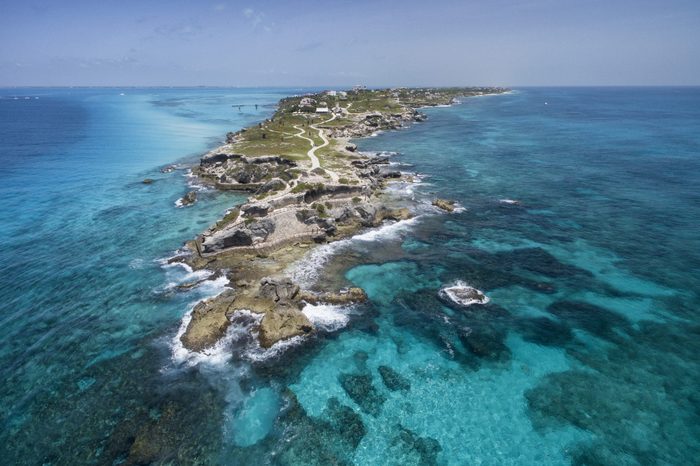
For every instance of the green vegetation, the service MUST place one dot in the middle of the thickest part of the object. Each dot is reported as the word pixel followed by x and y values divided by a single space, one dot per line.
pixel 320 209
pixel 230 217
pixel 280 135
pixel 304 187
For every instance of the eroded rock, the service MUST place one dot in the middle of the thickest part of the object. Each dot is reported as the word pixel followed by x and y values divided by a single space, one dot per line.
pixel 209 322
pixel 349 296
pixel 282 324
pixel 445 204
pixel 189 198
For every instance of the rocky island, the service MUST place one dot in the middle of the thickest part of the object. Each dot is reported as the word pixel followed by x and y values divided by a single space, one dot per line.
pixel 308 185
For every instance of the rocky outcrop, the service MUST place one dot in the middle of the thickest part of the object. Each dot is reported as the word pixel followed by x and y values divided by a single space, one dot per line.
pixel 365 163
pixel 462 294
pixel 189 198
pixel 262 174
pixel 283 324
pixel 272 185
pixel 209 322
pixel 444 204
pixel 243 234
pixel 350 147
pixel 255 210
pixel 282 290
pixel 346 296
pixel 375 216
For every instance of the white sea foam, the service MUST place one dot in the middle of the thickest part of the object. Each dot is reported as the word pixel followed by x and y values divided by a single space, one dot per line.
pixel 168 265
pixel 509 201
pixel 259 354
pixel 179 273
pixel 328 317
pixel 136 264
pixel 387 231
pixel 463 294
pixel 306 271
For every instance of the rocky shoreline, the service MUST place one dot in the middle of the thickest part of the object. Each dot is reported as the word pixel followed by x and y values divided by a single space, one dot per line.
pixel 297 200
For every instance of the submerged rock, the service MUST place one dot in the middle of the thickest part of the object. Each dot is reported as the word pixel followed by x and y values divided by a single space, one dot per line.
pixel 282 324
pixel 416 450
pixel 329 439
pixel 445 204
pixel 393 380
pixel 486 344
pixel 147 181
pixel 359 387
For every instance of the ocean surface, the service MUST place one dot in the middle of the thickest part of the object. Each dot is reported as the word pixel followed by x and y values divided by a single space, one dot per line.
pixel 578 218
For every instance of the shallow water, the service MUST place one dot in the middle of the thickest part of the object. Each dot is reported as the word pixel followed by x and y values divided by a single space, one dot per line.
pixel 586 352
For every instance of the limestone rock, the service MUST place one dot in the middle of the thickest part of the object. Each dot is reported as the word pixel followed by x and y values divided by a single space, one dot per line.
pixel 444 204
pixel 241 235
pixel 272 185
pixel 256 210
pixel 209 322
pixel 282 324
pixel 348 296
pixel 189 198
pixel 255 304
pixel 278 290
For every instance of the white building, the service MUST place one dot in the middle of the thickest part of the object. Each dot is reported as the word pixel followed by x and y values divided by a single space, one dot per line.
pixel 331 93
pixel 322 110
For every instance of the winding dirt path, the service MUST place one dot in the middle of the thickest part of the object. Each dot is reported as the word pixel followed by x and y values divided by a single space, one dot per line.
pixel 315 162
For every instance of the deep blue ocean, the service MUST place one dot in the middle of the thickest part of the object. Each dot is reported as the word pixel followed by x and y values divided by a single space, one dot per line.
pixel 587 353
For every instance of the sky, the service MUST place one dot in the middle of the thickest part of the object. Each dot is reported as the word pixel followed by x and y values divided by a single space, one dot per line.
pixel 342 43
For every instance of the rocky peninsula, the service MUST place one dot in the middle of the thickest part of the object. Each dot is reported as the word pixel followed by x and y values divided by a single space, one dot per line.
pixel 308 185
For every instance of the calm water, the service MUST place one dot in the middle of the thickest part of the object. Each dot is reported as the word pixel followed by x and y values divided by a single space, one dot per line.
pixel 587 352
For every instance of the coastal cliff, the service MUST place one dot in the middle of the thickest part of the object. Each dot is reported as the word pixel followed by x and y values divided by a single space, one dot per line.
pixel 308 185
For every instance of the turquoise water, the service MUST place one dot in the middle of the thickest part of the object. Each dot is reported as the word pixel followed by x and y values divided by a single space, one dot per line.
pixel 585 354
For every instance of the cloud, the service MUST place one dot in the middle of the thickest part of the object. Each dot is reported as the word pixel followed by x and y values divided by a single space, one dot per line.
pixel 220 6
pixel 181 30
pixel 257 18
pixel 310 46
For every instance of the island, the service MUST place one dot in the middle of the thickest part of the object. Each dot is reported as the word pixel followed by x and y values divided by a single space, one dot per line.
pixel 307 185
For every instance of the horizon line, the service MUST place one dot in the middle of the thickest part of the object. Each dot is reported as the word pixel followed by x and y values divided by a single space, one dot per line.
pixel 285 86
